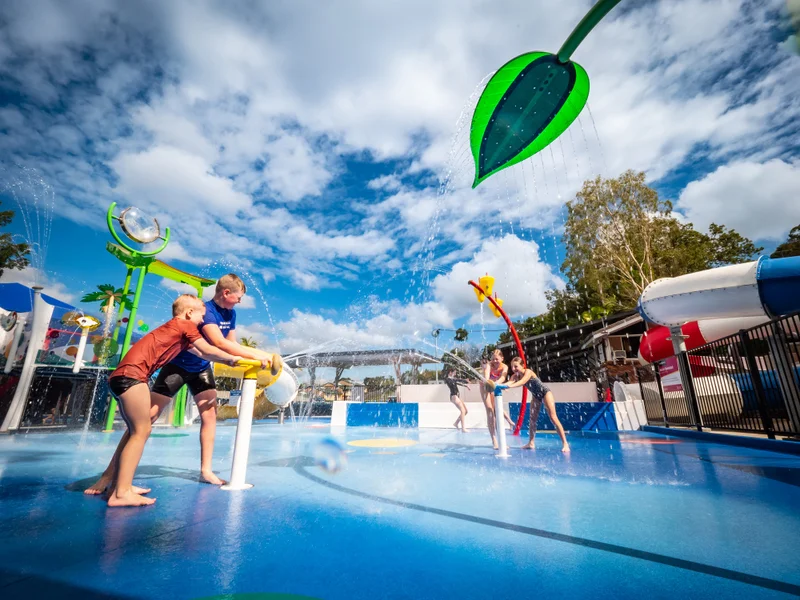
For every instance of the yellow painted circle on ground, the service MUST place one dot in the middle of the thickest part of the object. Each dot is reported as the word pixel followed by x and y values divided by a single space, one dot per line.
pixel 382 443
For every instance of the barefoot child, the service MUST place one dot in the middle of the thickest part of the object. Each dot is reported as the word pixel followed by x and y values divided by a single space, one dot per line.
pixel 129 383
pixel 495 371
pixel 452 383
pixel 540 393
pixel 218 328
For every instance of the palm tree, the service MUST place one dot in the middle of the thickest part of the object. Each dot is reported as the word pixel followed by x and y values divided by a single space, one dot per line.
pixel 107 296
pixel 248 342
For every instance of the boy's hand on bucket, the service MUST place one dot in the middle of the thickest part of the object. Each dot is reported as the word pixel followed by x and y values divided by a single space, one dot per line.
pixel 277 363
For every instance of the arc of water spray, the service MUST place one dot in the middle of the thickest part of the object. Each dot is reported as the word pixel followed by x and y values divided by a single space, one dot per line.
pixel 466 365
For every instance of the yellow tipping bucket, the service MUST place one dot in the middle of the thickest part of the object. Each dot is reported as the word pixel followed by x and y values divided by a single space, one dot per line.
pixel 494 309
pixel 487 283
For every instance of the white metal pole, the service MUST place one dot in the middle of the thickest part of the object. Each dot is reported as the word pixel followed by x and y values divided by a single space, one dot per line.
pixel 19 329
pixel 241 448
pixel 436 339
pixel 502 451
pixel 41 313
pixel 76 367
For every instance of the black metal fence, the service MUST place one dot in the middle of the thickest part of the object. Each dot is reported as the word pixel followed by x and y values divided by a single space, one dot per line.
pixel 747 382
pixel 380 394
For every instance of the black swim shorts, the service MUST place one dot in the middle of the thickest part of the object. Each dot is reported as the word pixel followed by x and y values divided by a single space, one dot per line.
pixel 172 378
pixel 120 385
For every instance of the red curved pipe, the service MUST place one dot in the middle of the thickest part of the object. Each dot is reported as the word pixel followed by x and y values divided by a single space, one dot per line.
pixel 521 417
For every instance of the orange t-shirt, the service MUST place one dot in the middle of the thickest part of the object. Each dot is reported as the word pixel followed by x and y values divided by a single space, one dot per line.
pixel 156 349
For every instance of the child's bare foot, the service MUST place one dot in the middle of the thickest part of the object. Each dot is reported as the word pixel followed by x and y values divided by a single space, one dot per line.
pixel 529 446
pixel 464 430
pixel 102 488
pixel 99 487
pixel 495 446
pixel 210 477
pixel 129 499
pixel 565 448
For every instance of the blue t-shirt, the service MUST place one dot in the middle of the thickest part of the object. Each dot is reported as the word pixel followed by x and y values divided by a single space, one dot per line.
pixel 223 318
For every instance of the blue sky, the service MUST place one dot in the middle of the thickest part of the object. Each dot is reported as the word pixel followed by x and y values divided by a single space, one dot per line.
pixel 303 144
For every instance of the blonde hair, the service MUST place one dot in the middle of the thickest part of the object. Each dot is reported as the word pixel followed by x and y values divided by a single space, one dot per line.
pixel 517 360
pixel 183 303
pixel 231 282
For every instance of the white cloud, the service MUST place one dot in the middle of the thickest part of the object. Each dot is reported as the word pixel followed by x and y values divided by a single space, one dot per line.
pixel 390 183
pixel 176 251
pixel 262 334
pixel 168 177
pixel 758 200
pixel 305 280
pixel 375 323
pixel 386 325
pixel 294 170
pixel 31 276
pixel 520 279
pixel 172 129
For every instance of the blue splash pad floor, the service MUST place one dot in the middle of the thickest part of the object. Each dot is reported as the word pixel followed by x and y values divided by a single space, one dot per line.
pixel 624 515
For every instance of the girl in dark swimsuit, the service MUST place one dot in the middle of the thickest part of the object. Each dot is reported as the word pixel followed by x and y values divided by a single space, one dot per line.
pixel 540 394
pixel 452 383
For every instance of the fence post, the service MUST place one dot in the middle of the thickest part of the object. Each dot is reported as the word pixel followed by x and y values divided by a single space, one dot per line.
pixel 685 369
pixel 758 387
pixel 661 393
pixel 784 369
pixel 688 389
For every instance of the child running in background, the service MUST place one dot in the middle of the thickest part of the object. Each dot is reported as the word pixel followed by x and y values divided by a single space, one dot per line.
pixel 540 393
pixel 452 383
pixel 129 383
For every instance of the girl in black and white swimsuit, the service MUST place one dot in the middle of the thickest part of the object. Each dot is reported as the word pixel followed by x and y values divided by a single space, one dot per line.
pixel 452 383
pixel 540 394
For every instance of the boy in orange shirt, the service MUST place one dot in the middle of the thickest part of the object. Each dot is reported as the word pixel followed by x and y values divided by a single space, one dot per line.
pixel 129 383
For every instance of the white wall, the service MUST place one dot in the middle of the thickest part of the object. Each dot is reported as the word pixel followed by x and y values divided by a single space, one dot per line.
pixel 339 414
pixel 564 392
pixel 438 415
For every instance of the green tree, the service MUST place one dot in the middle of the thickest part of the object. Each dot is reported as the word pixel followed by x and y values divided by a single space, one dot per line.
pixel 248 342
pixel 791 247
pixel 620 236
pixel 107 296
pixel 12 255
pixel 379 383
pixel 461 334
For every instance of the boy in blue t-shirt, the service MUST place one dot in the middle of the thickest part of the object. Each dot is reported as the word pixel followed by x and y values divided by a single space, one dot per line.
pixel 219 329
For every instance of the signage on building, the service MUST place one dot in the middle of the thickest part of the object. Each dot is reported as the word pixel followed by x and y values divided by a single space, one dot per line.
pixel 671 375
